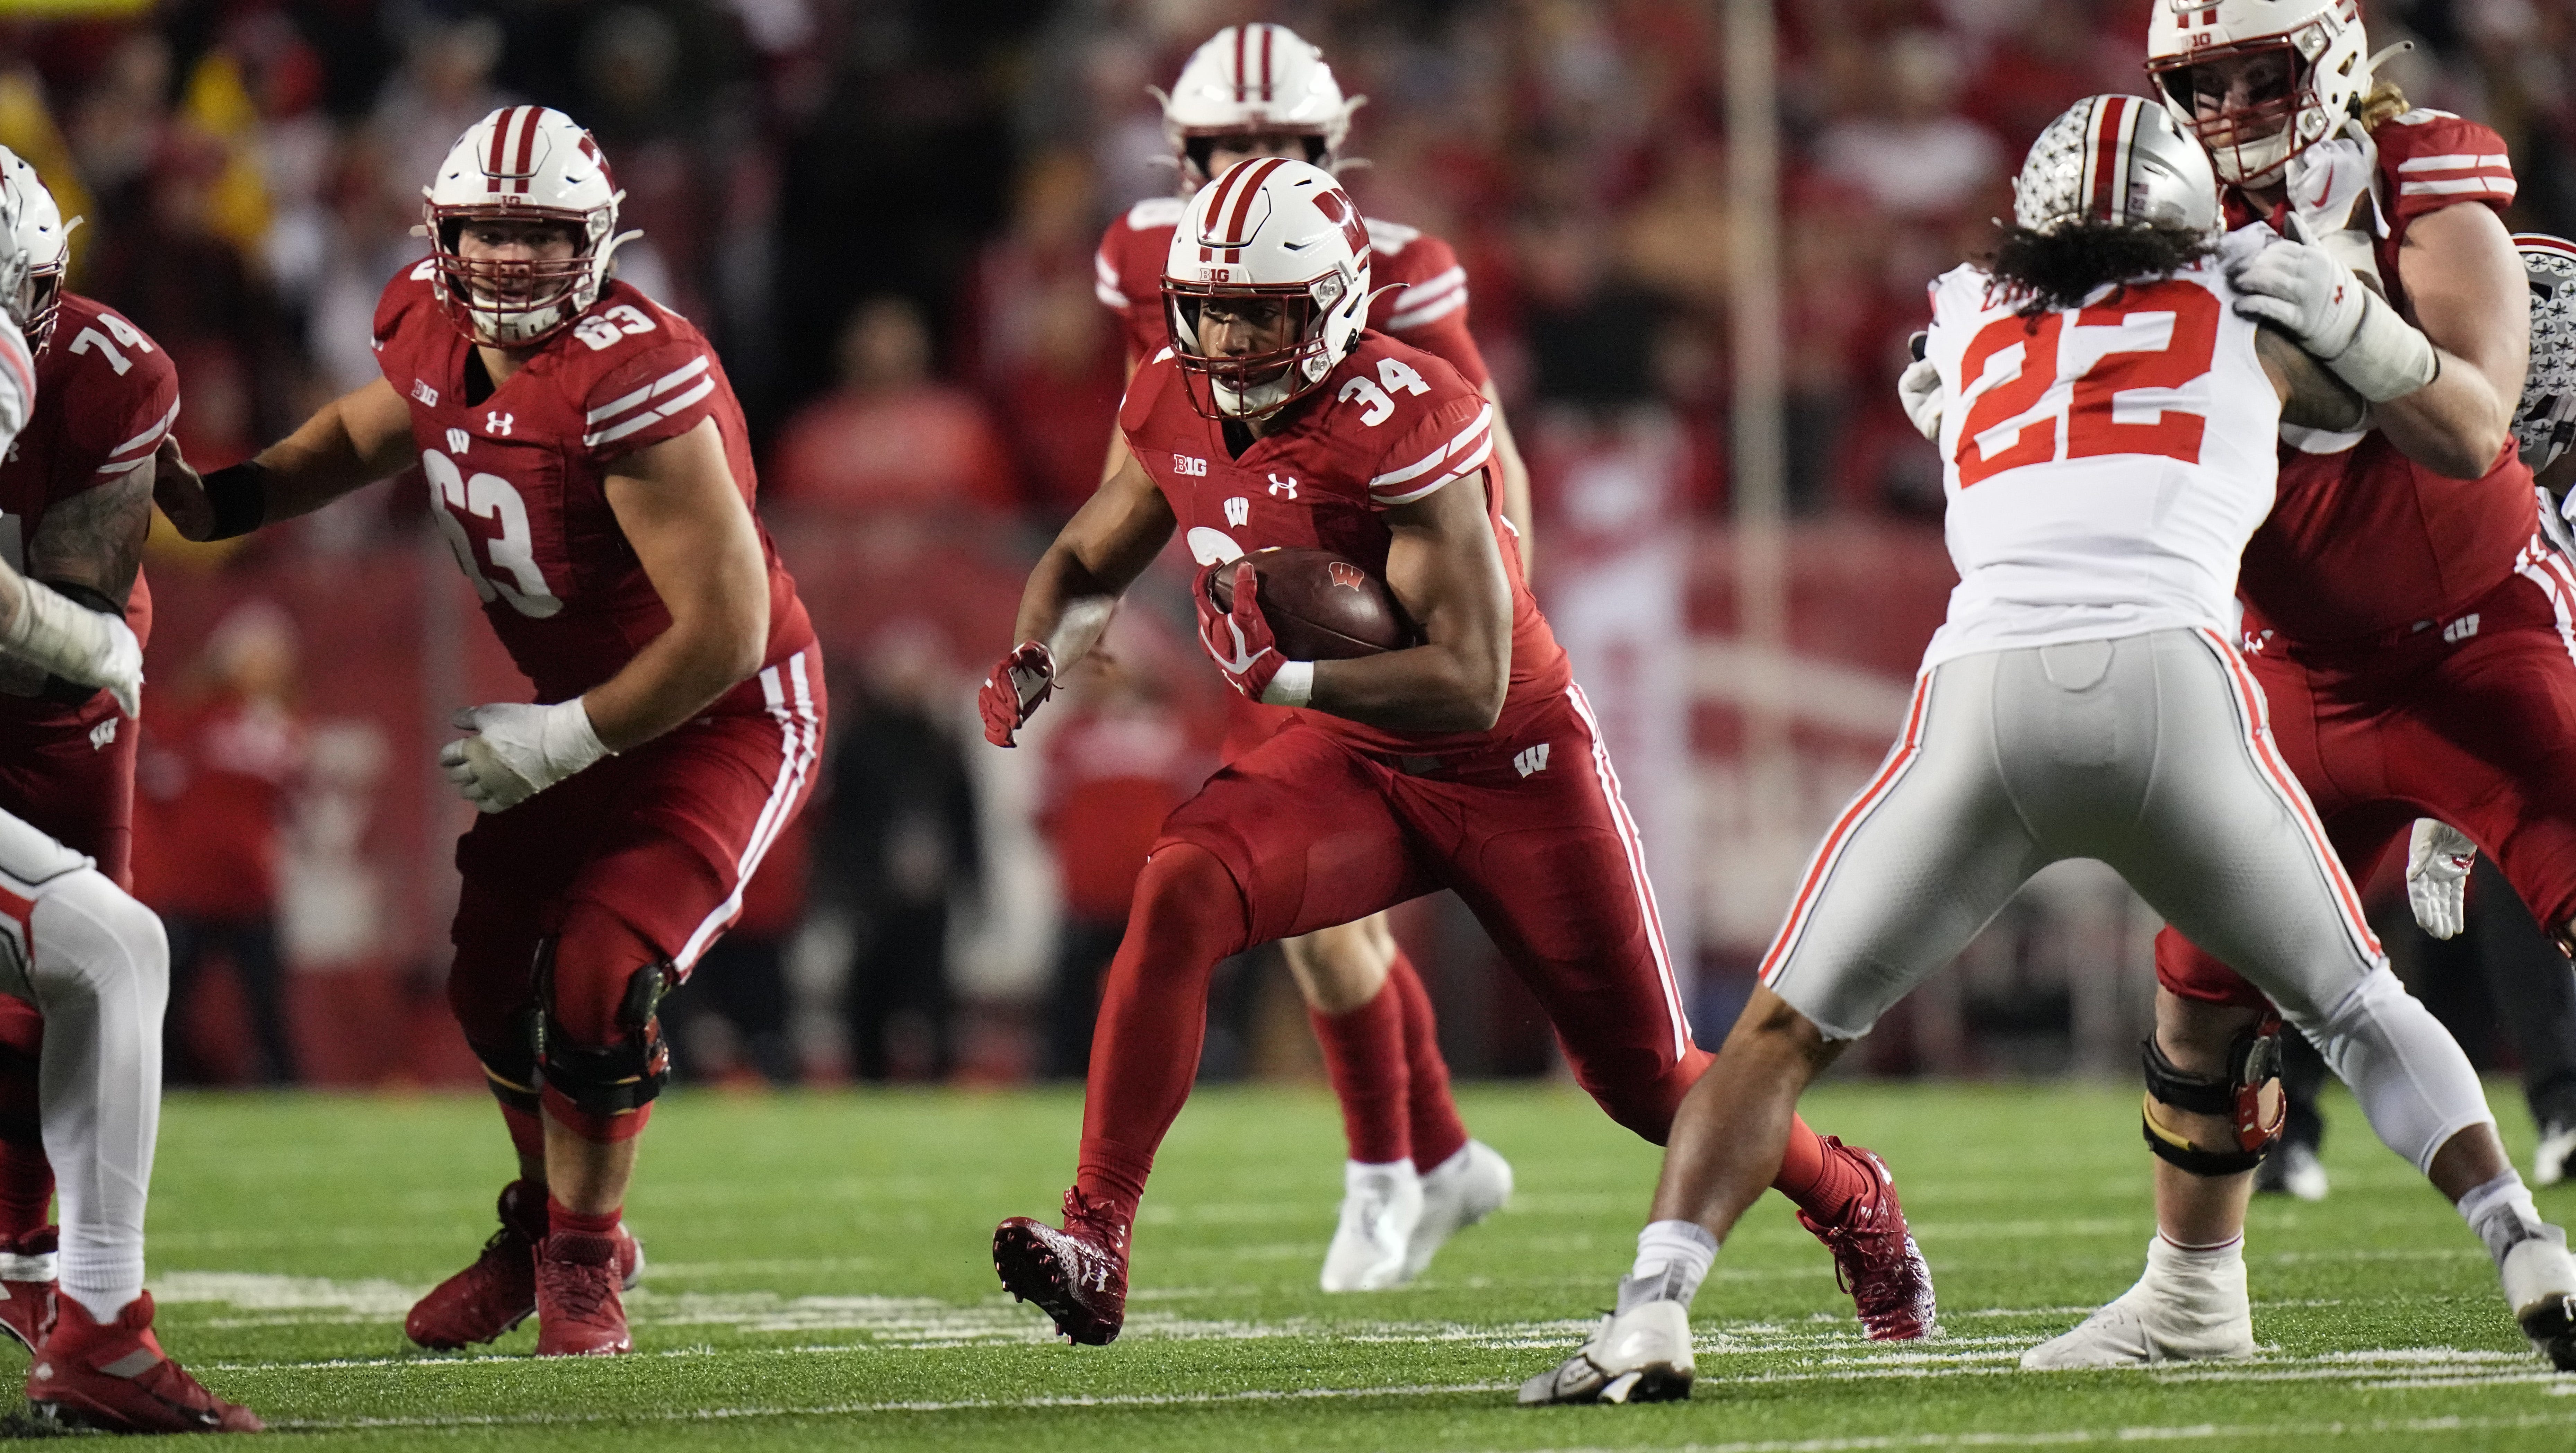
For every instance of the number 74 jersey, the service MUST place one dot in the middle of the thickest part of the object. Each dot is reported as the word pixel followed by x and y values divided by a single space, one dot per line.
pixel 2104 465
pixel 517 480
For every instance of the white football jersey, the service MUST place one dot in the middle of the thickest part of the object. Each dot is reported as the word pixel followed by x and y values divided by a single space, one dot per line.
pixel 17 383
pixel 2105 464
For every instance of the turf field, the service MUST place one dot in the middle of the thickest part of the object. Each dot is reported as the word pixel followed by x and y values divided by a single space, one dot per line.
pixel 819 1279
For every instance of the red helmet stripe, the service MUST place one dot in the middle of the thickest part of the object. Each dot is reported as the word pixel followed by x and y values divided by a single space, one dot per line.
pixel 1268 33
pixel 1225 186
pixel 528 145
pixel 1238 61
pixel 500 139
pixel 1244 194
pixel 2107 194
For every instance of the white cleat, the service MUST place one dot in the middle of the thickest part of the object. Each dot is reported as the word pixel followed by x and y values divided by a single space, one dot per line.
pixel 2300 1173
pixel 2178 1312
pixel 1381 1204
pixel 2557 1151
pixel 1456 1194
pixel 2540 1286
pixel 1641 1356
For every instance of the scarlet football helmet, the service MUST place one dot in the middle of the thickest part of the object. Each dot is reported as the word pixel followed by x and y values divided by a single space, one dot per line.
pixel 44 244
pixel 2116 160
pixel 1254 80
pixel 2544 424
pixel 2324 69
pixel 525 164
pixel 1277 232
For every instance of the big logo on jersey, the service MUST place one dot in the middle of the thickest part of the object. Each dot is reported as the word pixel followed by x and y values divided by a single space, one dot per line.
pixel 512 551
pixel 2145 344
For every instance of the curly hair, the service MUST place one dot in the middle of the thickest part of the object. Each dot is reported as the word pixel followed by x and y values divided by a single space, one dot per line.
pixel 2043 272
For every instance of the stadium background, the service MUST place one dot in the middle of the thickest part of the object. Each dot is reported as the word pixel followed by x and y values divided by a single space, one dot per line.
pixel 1696 233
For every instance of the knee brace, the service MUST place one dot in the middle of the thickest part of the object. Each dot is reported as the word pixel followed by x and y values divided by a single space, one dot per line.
pixel 622 1075
pixel 2249 1095
pixel 510 1063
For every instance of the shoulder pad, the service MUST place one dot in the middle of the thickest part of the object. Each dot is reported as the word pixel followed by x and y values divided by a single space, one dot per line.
pixel 1157 212
pixel 1387 237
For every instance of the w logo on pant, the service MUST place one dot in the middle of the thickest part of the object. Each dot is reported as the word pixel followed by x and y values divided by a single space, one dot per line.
pixel 1531 760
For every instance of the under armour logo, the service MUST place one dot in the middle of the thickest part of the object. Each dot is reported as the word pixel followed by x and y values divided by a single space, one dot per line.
pixel 1348 576
pixel 2255 641
pixel 423 392
pixel 1238 511
pixel 2461 629
pixel 458 440
pixel 1531 760
pixel 496 422
pixel 1283 488
pixel 102 734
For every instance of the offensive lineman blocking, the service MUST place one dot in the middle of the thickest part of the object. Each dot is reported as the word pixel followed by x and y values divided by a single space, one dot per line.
pixel 2108 453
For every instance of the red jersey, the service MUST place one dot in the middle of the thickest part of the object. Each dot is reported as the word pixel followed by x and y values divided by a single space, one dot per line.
pixel 1389 425
pixel 1426 305
pixel 105 396
pixel 518 478
pixel 2362 540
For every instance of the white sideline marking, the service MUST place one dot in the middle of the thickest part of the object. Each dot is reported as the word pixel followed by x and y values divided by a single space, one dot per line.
pixel 696 1415
pixel 2149 1433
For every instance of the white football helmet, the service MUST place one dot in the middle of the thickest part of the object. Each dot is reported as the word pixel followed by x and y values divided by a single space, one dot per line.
pixel 1269 233
pixel 2117 160
pixel 522 163
pixel 2544 424
pixel 1254 80
pixel 2322 68
pixel 44 245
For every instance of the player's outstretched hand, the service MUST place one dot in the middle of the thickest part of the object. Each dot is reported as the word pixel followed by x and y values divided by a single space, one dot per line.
pixel 2438 859
pixel 1238 640
pixel 2299 288
pixel 181 493
pixel 1919 389
pixel 515 751
pixel 120 670
pixel 1013 690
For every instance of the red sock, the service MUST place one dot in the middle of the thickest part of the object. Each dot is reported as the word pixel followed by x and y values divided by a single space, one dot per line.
pixel 1364 1059
pixel 1819 1175
pixel 1437 1132
pixel 527 1134
pixel 560 1219
pixel 1187 915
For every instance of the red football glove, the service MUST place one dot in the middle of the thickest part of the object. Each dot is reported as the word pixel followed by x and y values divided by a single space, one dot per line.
pixel 1016 687
pixel 1239 641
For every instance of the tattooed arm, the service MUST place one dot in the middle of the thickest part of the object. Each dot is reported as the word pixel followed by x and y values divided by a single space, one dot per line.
pixel 89 547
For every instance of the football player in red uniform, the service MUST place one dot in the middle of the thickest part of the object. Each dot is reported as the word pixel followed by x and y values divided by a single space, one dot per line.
pixel 1413 1177
pixel 1468 762
pixel 79 952
pixel 590 469
pixel 2405 617
pixel 75 504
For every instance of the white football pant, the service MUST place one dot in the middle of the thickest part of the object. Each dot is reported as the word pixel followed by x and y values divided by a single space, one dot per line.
pixel 2150 753
pixel 94 963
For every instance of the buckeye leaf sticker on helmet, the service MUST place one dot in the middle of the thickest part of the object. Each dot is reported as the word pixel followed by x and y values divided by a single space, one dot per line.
pixel 44 245
pixel 2544 423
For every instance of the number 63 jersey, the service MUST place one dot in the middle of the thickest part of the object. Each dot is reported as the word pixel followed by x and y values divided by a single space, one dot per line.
pixel 2104 465
pixel 517 480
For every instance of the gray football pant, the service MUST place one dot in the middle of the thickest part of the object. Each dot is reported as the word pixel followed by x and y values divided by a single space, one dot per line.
pixel 2151 754
pixel 93 962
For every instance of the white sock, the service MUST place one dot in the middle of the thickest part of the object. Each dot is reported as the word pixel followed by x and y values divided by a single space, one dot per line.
pixel 102 1306
pixel 2502 1213
pixel 1673 1258
pixel 2168 1255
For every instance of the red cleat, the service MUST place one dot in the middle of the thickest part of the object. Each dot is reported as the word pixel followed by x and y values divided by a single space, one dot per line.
pixel 27 1284
pixel 117 1378
pixel 1077 1275
pixel 499 1291
pixel 579 1311
pixel 1875 1258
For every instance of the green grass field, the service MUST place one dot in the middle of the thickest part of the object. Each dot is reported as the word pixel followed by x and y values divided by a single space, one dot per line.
pixel 819 1279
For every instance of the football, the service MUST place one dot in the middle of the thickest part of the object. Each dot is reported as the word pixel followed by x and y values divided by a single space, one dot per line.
pixel 1321 606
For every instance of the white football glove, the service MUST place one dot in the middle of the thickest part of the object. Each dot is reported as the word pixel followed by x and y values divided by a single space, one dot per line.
pixel 517 751
pixel 2300 289
pixel 2438 859
pixel 76 643
pixel 1919 389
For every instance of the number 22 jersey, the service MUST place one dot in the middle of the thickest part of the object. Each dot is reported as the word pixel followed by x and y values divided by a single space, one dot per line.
pixel 2104 464
pixel 518 479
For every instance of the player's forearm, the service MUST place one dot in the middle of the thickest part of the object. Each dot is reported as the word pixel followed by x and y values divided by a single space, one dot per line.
pixel 1435 688
pixel 680 672
pixel 318 463
pixel 2455 426
pixel 1065 607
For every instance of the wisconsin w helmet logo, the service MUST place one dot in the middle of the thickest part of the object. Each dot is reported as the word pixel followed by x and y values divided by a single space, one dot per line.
pixel 1337 209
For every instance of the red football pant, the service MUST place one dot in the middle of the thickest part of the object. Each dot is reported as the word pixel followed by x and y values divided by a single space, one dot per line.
pixel 638 860
pixel 1305 832
pixel 2479 732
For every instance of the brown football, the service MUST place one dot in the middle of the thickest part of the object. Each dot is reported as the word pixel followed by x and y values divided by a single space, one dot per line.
pixel 1320 606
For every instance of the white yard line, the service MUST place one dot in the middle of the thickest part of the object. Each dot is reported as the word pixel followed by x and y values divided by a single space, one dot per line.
pixel 2149 1433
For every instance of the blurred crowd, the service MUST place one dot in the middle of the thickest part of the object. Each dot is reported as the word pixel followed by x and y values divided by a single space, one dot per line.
pixel 884 211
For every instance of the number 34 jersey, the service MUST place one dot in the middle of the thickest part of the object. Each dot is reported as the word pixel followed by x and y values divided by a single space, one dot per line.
pixel 518 479
pixel 2104 464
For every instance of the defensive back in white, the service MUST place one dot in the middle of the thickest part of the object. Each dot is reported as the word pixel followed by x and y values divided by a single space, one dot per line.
pixel 2104 465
